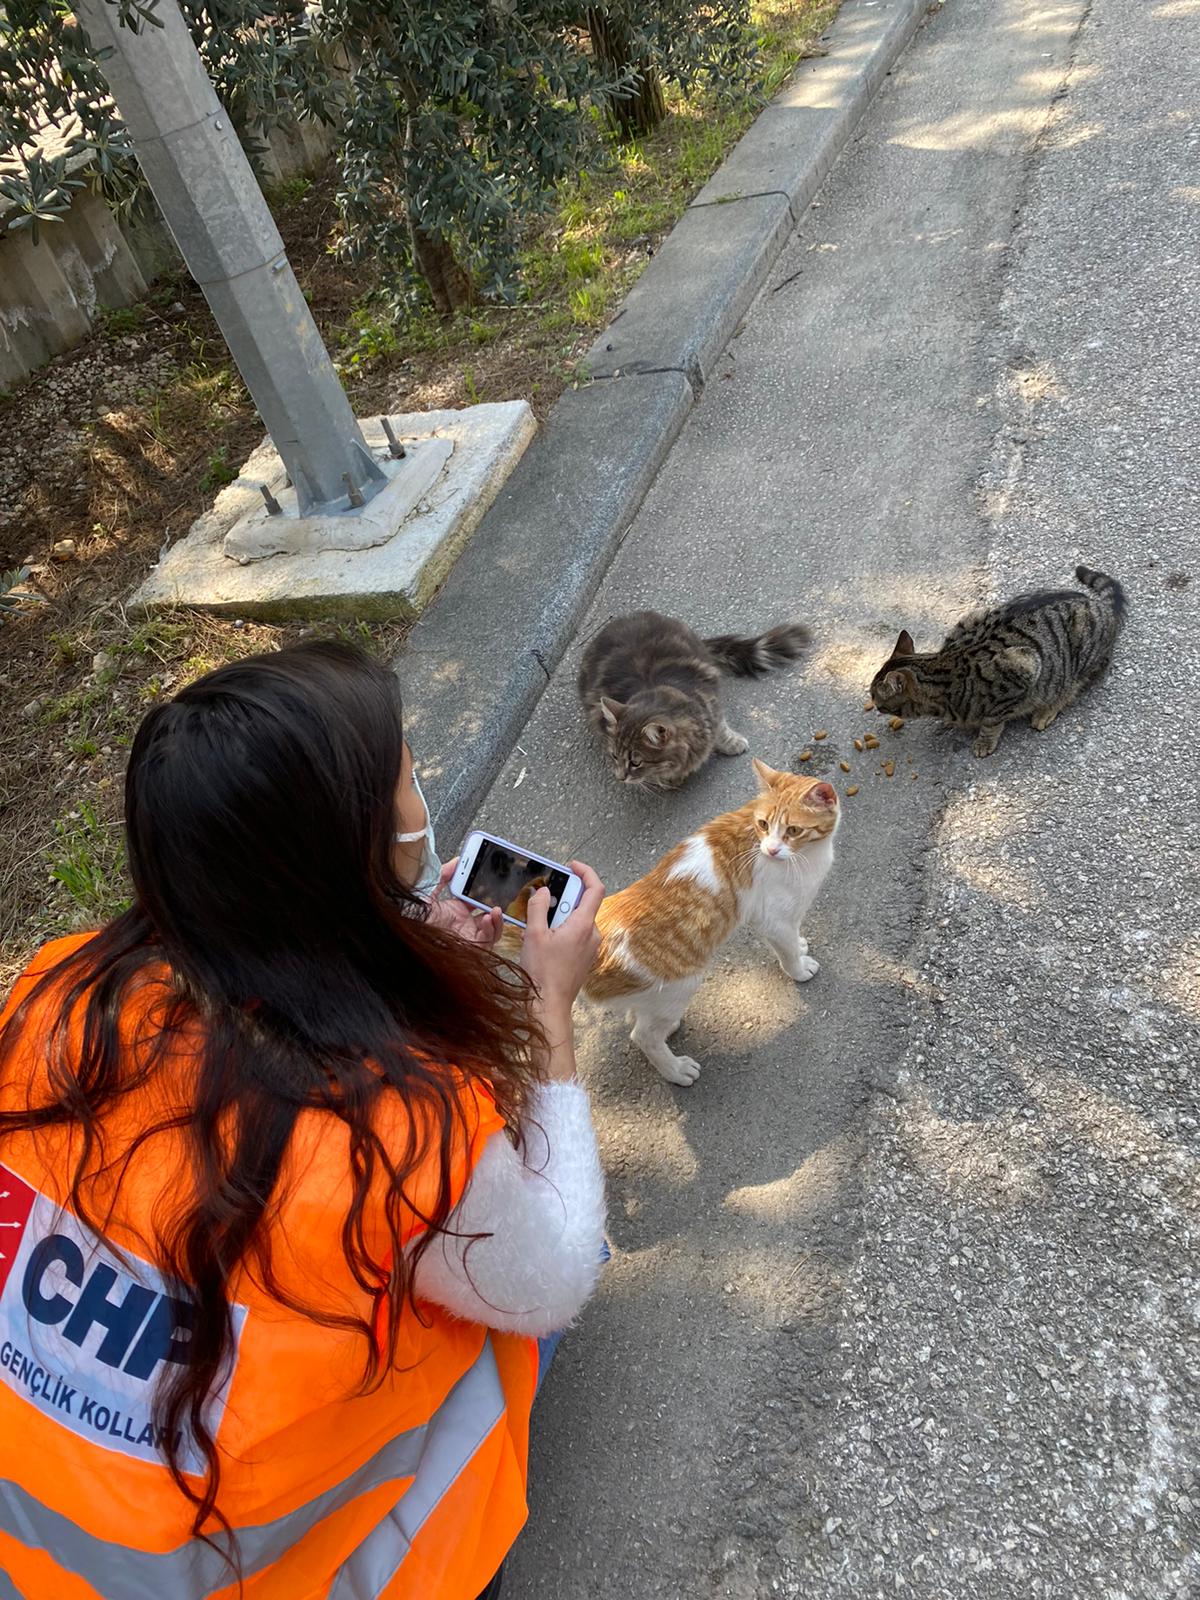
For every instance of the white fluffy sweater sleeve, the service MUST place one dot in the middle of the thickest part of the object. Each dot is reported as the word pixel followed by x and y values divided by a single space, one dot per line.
pixel 543 1210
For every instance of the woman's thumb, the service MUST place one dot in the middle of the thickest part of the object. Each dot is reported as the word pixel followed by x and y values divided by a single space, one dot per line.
pixel 538 908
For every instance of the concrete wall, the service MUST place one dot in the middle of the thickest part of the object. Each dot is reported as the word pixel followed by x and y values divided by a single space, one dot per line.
pixel 90 262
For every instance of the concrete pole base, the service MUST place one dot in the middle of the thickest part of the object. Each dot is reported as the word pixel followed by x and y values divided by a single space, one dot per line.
pixel 384 559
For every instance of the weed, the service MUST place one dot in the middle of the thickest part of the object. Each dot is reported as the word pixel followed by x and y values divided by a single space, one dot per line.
pixel 89 861
pixel 67 649
pixel 154 422
pixel 358 633
pixel 155 636
pixel 123 319
pixel 426 332
pixel 589 303
pixel 581 259
pixel 369 338
pixel 636 219
pixel 167 290
pixel 552 321
pixel 83 746
pixel 218 471
pixel 472 388
pixel 701 149
pixel 61 708
pixel 199 346
pixel 290 191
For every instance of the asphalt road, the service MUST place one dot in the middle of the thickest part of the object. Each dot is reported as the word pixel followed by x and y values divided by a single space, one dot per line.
pixel 904 1295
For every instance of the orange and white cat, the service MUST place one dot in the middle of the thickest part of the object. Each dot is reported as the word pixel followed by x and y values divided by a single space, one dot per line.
pixel 759 866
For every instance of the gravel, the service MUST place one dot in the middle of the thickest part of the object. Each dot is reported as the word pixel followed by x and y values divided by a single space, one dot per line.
pixel 48 424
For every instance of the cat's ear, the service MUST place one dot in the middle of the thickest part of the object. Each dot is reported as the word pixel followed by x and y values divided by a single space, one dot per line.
pixel 611 711
pixel 821 796
pixel 900 682
pixel 904 644
pixel 767 776
pixel 657 734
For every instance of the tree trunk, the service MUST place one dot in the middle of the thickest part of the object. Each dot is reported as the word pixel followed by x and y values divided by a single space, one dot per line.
pixel 450 285
pixel 646 107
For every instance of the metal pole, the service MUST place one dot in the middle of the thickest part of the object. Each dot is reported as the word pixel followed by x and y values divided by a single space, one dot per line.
pixel 207 191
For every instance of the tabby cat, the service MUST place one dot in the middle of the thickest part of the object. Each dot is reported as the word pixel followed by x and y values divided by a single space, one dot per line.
pixel 1029 657
pixel 650 686
pixel 761 865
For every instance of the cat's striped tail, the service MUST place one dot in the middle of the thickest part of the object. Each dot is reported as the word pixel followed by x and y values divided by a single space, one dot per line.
pixel 1105 586
pixel 750 658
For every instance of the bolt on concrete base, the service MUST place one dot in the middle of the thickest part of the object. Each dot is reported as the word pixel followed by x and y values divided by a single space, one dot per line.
pixel 384 559
pixel 275 526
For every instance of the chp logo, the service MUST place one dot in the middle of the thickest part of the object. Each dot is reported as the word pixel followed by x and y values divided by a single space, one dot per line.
pixel 16 1202
pixel 85 1331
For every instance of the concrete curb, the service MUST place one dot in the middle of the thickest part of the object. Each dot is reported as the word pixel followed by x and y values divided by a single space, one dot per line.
pixel 478 660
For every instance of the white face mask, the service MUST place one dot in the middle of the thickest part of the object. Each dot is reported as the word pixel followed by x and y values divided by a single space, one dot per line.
pixel 430 868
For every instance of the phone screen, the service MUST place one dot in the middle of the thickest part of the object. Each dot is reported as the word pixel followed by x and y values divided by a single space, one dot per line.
pixel 506 878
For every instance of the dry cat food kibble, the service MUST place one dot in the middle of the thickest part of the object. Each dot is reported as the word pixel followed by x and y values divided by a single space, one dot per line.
pixel 805 755
pixel 896 724
pixel 889 768
pixel 845 766
pixel 821 734
pixel 858 744
pixel 853 789
pixel 871 742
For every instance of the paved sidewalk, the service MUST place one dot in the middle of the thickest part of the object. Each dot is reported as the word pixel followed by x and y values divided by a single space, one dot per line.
pixel 904 1296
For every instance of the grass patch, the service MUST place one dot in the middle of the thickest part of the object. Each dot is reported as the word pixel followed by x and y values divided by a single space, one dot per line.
pixel 218 471
pixel 368 338
pixel 123 319
pixel 290 191
pixel 88 860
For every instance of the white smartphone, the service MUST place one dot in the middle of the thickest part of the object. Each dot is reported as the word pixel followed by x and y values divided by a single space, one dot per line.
pixel 495 872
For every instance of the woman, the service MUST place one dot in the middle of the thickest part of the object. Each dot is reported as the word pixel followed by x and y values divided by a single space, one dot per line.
pixel 295 1170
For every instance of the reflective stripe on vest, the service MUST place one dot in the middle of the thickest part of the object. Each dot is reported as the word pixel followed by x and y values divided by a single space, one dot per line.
pixel 432 1455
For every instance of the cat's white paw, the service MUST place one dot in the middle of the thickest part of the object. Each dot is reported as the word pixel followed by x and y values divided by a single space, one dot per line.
pixel 681 1070
pixel 734 744
pixel 806 967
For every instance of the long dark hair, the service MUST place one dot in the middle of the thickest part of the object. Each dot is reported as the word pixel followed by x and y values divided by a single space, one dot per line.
pixel 259 811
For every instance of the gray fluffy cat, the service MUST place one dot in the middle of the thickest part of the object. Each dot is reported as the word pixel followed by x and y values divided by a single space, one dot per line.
pixel 651 687
pixel 1029 657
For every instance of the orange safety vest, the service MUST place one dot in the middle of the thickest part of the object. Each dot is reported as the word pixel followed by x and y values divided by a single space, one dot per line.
pixel 413 1491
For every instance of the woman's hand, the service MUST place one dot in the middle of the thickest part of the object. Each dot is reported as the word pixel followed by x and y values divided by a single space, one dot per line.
pixel 558 960
pixel 456 916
